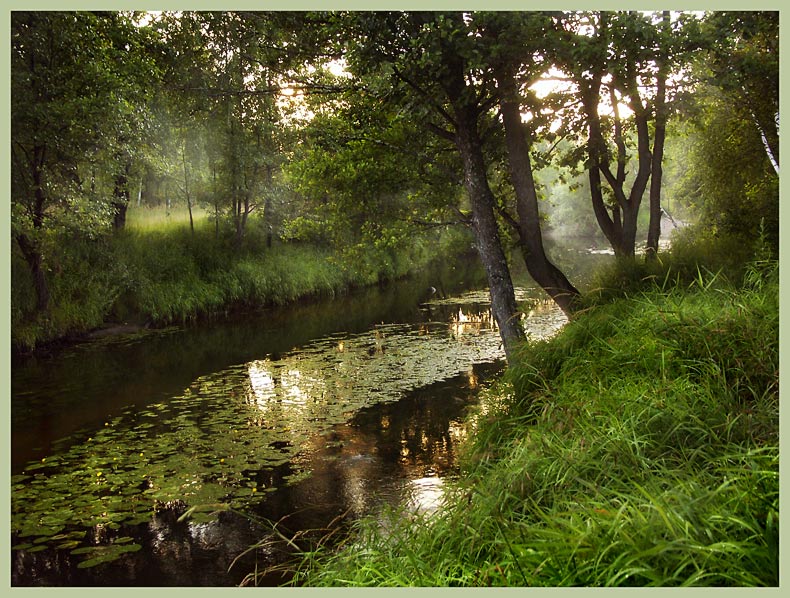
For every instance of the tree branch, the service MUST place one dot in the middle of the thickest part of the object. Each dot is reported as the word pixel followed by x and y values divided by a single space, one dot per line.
pixel 443 133
pixel 446 115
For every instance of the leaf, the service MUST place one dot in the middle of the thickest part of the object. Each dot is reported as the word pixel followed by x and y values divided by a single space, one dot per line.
pixel 68 545
pixel 108 554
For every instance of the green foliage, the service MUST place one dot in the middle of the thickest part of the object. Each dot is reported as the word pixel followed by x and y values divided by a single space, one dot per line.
pixel 724 146
pixel 79 82
pixel 675 393
pixel 368 176
pixel 742 60
pixel 723 174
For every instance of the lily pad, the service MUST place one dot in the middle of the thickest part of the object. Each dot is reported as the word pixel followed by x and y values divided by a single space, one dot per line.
pixel 105 554
pixel 205 445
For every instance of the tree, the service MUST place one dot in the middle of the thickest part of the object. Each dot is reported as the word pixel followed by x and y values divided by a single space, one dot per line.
pixel 434 72
pixel 726 147
pixel 372 180
pixel 659 136
pixel 722 170
pixel 622 58
pixel 513 56
pixel 449 72
pixel 743 61
pixel 227 70
pixel 72 97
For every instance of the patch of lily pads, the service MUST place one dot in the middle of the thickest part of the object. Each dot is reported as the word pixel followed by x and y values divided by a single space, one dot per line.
pixel 204 449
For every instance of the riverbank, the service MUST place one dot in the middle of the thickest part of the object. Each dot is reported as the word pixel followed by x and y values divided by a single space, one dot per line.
pixel 639 447
pixel 161 276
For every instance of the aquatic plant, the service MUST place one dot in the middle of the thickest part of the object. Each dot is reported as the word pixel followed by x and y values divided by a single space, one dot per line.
pixel 232 436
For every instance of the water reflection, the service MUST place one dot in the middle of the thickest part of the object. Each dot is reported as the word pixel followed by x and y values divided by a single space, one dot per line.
pixel 330 378
pixel 463 324
pixel 340 424
pixel 424 495
pixel 53 397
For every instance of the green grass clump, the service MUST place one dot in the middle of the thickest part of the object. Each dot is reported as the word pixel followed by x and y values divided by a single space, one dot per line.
pixel 84 280
pixel 637 448
pixel 695 254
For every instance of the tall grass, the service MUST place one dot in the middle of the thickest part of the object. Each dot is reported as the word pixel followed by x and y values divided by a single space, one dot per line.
pixel 159 272
pixel 695 251
pixel 637 448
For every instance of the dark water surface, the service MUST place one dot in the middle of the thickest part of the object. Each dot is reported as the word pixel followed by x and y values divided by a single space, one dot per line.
pixel 158 459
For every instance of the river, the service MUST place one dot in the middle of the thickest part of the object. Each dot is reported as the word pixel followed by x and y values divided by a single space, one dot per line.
pixel 160 458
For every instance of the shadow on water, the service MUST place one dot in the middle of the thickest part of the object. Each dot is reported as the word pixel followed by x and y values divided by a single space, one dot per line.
pixel 158 459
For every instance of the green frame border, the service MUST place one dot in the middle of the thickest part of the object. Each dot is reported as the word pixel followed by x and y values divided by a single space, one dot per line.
pixel 295 5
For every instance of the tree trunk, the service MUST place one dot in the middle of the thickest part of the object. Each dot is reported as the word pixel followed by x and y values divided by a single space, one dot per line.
pixel 121 198
pixel 609 225
pixel 771 149
pixel 267 208
pixel 484 224
pixel 267 205
pixel 35 261
pixel 466 114
pixel 216 200
pixel 546 274
pixel 657 173
pixel 30 250
pixel 240 218
pixel 186 189
pixel 628 236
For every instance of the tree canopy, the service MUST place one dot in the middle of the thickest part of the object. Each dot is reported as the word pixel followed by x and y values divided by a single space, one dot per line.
pixel 358 130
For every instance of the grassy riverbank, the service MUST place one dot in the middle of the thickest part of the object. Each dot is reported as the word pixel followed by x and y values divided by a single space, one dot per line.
pixel 637 448
pixel 159 274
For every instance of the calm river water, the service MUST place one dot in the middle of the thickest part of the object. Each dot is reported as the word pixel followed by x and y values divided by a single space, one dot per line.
pixel 158 459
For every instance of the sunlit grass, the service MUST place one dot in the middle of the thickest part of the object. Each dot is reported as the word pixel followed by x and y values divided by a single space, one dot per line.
pixel 161 217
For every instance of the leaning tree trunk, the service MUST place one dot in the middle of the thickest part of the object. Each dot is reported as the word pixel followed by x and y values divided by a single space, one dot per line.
pixel 465 119
pixel 484 224
pixel 546 274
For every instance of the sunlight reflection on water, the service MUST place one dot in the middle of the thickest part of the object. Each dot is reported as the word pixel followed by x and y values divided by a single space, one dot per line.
pixel 425 495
